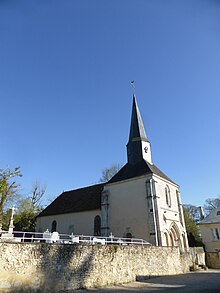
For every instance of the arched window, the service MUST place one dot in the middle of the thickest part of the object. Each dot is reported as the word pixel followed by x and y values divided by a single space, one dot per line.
pixel 167 195
pixel 175 235
pixel 166 238
pixel 54 226
pixel 128 235
pixel 172 239
pixel 97 226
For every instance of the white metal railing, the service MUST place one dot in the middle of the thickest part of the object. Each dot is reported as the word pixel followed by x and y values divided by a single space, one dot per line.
pixel 55 237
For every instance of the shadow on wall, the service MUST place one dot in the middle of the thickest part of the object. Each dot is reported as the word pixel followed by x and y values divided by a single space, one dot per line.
pixel 63 268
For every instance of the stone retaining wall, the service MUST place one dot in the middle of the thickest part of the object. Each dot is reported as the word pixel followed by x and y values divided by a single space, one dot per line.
pixel 51 267
pixel 213 260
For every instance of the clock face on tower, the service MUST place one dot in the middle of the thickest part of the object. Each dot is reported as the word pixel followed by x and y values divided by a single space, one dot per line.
pixel 146 149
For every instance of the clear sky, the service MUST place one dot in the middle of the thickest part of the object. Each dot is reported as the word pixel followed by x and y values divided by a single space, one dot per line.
pixel 65 94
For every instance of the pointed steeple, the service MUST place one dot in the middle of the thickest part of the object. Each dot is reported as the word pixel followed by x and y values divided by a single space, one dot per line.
pixel 137 131
pixel 138 146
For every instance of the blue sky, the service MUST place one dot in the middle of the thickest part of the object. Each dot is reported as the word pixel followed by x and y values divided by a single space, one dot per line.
pixel 65 72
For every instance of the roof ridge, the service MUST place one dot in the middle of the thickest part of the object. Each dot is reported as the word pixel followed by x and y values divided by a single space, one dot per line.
pixel 85 187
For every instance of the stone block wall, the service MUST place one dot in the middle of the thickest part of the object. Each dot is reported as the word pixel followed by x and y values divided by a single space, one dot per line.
pixel 33 267
pixel 197 255
pixel 213 260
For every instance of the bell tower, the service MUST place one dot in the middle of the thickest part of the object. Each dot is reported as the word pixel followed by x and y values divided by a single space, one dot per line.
pixel 138 147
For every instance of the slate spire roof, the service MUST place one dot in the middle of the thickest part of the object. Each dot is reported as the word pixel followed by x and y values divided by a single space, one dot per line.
pixel 137 137
pixel 137 131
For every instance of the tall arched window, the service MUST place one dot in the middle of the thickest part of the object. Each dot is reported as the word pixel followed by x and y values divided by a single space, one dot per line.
pixel 97 226
pixel 54 226
pixel 168 197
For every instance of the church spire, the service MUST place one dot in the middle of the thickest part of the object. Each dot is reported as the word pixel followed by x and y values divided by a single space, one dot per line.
pixel 137 131
pixel 138 146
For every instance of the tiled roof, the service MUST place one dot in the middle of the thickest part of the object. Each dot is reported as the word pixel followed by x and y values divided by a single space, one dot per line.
pixel 212 218
pixel 83 199
pixel 141 168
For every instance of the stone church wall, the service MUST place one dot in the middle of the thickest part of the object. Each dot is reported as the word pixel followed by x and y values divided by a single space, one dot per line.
pixel 76 223
pixel 51 267
pixel 128 208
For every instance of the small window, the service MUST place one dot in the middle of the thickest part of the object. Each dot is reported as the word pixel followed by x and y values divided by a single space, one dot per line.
pixel 128 235
pixel 71 229
pixel 54 226
pixel 167 195
pixel 218 213
pixel 97 226
pixel 215 233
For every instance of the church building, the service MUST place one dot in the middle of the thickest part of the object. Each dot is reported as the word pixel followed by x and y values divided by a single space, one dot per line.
pixel 140 201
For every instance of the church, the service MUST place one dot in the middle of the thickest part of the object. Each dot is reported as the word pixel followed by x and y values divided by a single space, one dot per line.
pixel 139 201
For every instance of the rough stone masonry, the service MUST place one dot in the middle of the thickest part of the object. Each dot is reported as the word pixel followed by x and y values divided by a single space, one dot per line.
pixel 41 267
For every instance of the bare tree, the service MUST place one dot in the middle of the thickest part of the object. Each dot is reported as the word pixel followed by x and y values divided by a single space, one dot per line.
pixel 210 204
pixel 108 173
pixel 8 187
pixel 194 211
pixel 29 208
pixel 36 195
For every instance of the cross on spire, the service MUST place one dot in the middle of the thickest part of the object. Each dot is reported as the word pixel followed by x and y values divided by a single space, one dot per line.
pixel 133 87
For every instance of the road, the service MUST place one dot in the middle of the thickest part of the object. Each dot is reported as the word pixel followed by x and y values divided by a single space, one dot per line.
pixel 194 282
